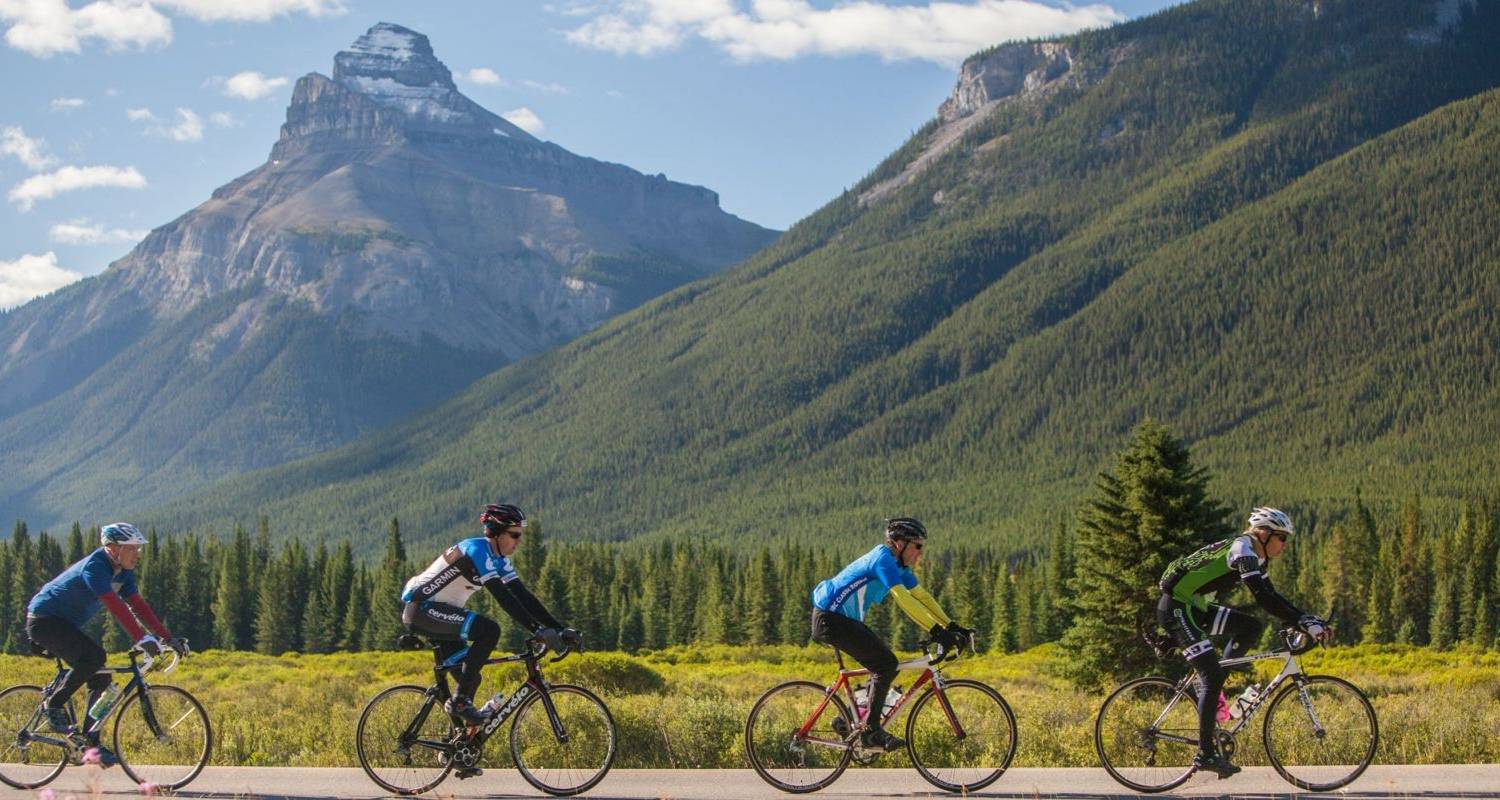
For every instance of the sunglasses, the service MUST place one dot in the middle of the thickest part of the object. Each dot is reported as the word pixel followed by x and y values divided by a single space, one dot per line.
pixel 1278 535
pixel 915 543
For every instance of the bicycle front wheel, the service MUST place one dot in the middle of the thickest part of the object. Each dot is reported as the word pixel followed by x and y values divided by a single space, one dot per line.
pixel 793 761
pixel 404 740
pixel 963 738
pixel 566 749
pixel 1147 734
pixel 1320 733
pixel 162 737
pixel 31 755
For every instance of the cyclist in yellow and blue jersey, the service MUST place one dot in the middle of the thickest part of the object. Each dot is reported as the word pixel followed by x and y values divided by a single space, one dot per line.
pixel 840 603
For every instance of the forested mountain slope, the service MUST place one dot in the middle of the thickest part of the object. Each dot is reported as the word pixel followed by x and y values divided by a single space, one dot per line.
pixel 1271 225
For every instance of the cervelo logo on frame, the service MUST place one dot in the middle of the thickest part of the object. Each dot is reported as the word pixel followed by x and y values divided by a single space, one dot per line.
pixel 509 708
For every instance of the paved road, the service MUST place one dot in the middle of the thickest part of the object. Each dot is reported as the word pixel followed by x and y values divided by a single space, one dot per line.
pixel 1427 783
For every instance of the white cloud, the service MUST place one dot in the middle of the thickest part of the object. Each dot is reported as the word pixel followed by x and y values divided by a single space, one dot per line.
pixel 31 276
pixel 525 119
pixel 549 88
pixel 189 127
pixel 81 231
pixel 44 28
pixel 15 142
pixel 251 10
pixel 67 103
pixel 223 119
pixel 72 179
pixel 251 85
pixel 484 76
pixel 942 31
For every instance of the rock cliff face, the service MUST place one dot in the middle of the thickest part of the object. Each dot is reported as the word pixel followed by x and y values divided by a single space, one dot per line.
pixel 1004 72
pixel 394 210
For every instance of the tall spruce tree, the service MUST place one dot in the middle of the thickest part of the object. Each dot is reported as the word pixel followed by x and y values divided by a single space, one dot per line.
pixel 385 593
pixel 235 597
pixel 1152 508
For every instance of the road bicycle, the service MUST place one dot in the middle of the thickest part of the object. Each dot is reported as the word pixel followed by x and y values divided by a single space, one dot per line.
pixel 961 735
pixel 1319 731
pixel 161 734
pixel 562 740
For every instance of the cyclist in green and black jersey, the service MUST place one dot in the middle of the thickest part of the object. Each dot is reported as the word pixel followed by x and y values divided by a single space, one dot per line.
pixel 1184 611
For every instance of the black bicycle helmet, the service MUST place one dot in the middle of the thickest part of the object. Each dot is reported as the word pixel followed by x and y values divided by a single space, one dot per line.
pixel 496 518
pixel 905 529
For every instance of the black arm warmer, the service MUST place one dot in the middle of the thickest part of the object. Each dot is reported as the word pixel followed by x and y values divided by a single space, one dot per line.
pixel 522 605
pixel 1270 599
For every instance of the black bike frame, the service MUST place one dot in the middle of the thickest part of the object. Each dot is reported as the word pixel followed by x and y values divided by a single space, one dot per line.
pixel 478 735
pixel 137 683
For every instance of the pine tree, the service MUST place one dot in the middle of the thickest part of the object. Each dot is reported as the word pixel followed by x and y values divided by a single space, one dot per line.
pixel 1413 596
pixel 1003 613
pixel 355 630
pixel 275 615
pixel 385 593
pixel 234 601
pixel 25 581
pixel 76 547
pixel 193 586
pixel 762 599
pixel 1151 509
pixel 322 622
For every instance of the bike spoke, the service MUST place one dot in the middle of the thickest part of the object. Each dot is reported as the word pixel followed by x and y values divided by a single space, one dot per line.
pixel 787 760
pixel 1147 734
pixel 1320 733
pixel 168 746
pixel 397 756
pixel 30 753
pixel 965 743
pixel 570 752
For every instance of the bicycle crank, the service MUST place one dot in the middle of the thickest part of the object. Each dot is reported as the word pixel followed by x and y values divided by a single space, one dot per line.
pixel 1225 740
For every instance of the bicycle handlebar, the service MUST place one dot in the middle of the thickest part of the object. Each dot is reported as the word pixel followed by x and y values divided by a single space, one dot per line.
pixel 159 663
pixel 943 653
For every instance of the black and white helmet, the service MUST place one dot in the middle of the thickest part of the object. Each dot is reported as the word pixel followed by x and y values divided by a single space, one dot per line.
pixel 905 529
pixel 120 533
pixel 1272 518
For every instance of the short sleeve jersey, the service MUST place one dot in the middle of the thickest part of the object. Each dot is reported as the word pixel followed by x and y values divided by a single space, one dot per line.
pixel 459 572
pixel 863 583
pixel 74 595
pixel 1211 569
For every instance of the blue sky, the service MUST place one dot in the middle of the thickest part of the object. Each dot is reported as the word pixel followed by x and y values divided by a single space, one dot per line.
pixel 117 116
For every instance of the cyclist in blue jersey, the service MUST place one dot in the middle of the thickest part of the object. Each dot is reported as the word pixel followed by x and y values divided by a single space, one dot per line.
pixel 435 604
pixel 839 606
pixel 59 610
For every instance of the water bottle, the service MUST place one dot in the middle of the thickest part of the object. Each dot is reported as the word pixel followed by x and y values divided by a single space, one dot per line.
pixel 1243 703
pixel 891 698
pixel 493 704
pixel 105 702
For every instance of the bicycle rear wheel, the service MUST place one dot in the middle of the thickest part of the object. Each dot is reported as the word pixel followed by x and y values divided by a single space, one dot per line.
pixel 1320 733
pixel 164 742
pixel 965 743
pixel 31 755
pixel 404 740
pixel 572 757
pixel 798 763
pixel 1146 735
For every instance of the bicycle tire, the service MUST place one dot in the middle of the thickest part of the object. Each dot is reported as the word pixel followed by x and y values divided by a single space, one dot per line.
pixel 762 758
pixel 590 721
pixel 181 719
pixel 374 734
pixel 1359 708
pixel 1151 689
pixel 924 764
pixel 18 708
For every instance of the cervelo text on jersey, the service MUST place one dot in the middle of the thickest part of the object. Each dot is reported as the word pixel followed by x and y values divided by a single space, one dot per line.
pixel 863 583
pixel 459 572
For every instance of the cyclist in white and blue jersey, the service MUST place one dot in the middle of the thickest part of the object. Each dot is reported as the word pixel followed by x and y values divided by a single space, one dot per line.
pixel 840 603
pixel 435 604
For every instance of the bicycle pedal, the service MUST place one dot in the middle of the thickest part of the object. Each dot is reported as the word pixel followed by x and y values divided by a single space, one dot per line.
pixel 463 773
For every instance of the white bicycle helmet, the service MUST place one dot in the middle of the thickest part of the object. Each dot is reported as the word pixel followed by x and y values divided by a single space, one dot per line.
pixel 1272 518
pixel 120 533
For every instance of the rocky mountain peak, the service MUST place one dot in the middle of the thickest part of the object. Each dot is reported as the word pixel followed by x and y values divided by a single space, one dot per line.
pixel 388 87
pixel 1005 71
pixel 391 52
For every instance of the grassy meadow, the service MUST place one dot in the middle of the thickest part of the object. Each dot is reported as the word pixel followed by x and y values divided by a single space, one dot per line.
pixel 685 707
